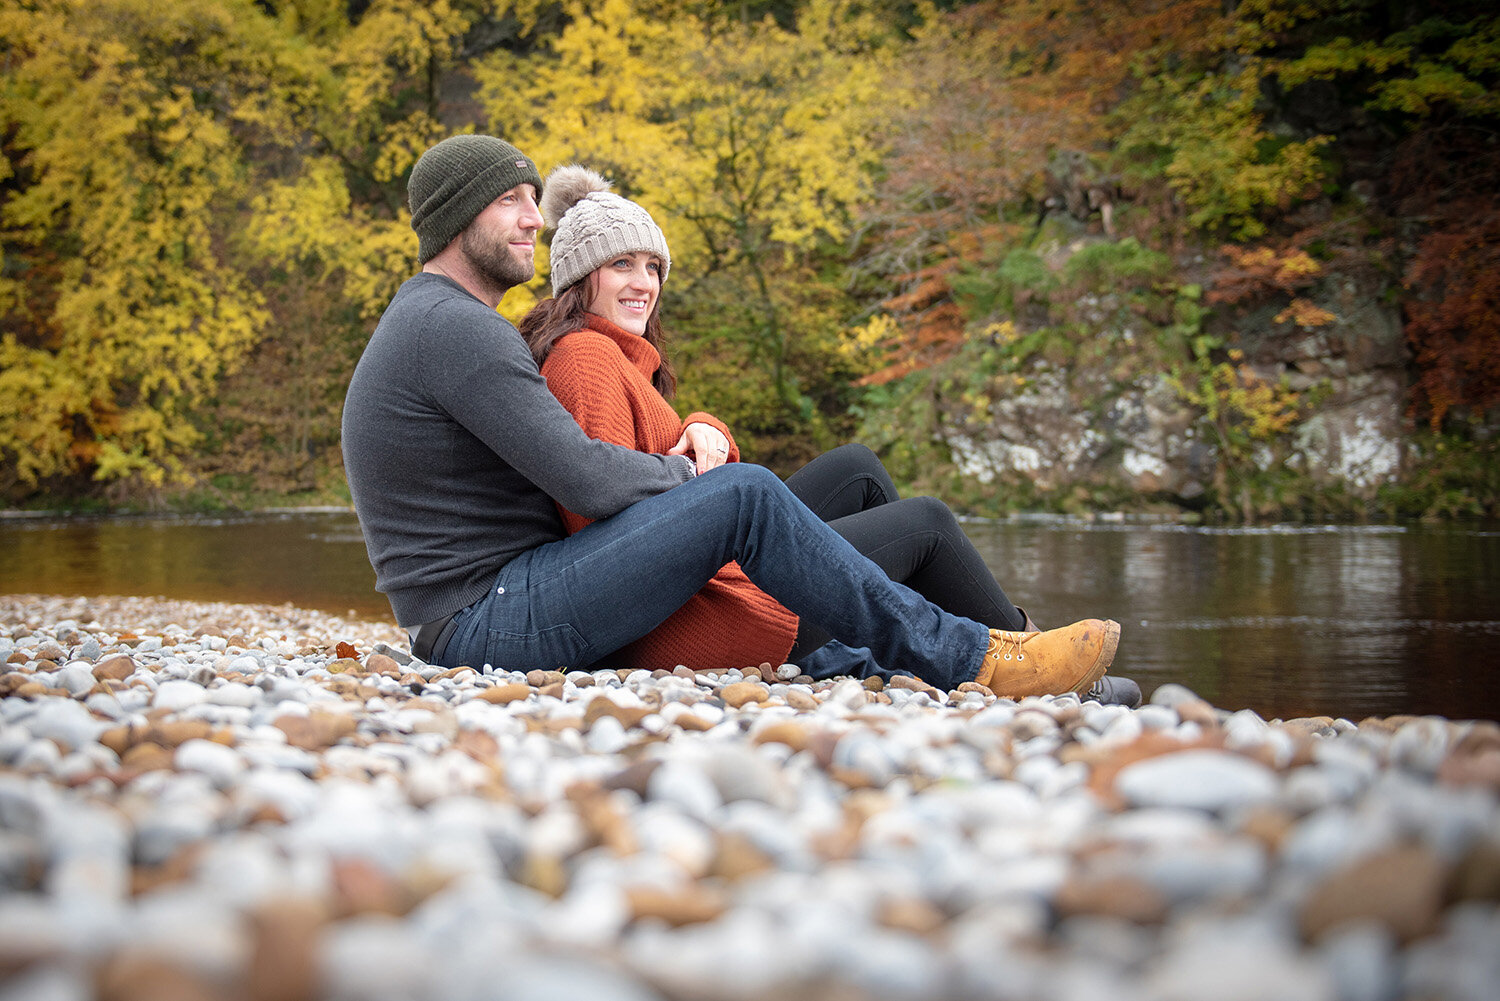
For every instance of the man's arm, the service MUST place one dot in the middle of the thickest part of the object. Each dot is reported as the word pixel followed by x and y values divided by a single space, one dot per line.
pixel 481 371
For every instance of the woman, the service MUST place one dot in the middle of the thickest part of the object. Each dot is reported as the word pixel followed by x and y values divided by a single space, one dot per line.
pixel 598 342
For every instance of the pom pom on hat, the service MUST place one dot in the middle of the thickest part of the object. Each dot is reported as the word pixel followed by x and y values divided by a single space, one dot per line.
pixel 594 226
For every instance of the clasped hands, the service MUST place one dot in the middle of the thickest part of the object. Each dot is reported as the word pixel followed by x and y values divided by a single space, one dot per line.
pixel 705 443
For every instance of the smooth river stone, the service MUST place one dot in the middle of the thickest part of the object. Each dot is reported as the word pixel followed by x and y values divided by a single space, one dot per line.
pixel 1197 779
pixel 179 695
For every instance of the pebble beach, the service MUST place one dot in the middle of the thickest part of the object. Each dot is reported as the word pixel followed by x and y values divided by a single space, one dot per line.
pixel 248 802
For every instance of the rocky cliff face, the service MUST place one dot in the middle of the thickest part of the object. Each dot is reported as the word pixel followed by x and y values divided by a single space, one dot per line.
pixel 1115 419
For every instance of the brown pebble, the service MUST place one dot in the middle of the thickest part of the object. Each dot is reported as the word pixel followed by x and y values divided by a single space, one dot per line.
pixel 742 693
pixel 555 690
pixel 1309 726
pixel 1121 897
pixel 821 745
pixel 544 873
pixel 635 776
pixel 1401 889
pixel 1269 825
pixel 379 663
pixel 685 905
pixel 362 887
pixel 477 744
pixel 737 857
pixel 793 735
pixel 345 665
pixel 1474 759
pixel 502 695
pixel 1477 876
pixel 909 683
pixel 116 668
pixel 284 954
pixel 1198 711
pixel 536 678
pixel 317 730
pixel 140 976
pixel 628 716
pixel 146 758
pixel 874 683
pixel 911 914
pixel 175 732
pixel 798 699
pixel 974 686
pixel 688 721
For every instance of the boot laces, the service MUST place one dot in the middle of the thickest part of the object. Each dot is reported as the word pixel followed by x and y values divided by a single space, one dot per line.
pixel 1005 645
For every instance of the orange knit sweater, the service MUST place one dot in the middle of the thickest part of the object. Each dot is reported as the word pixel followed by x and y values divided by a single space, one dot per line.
pixel 603 377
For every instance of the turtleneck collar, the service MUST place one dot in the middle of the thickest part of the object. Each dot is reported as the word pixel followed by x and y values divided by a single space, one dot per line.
pixel 635 347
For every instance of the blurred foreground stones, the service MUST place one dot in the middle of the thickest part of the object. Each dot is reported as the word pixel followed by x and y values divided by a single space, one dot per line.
pixel 256 803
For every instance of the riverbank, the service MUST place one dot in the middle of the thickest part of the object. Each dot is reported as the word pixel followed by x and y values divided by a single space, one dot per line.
pixel 257 801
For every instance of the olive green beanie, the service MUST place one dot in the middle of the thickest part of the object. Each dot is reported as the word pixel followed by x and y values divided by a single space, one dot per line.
pixel 454 181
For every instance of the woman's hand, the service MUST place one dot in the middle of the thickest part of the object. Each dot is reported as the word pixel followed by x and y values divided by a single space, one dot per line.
pixel 703 442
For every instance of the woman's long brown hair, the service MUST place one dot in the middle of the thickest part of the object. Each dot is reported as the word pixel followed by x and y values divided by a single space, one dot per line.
pixel 555 318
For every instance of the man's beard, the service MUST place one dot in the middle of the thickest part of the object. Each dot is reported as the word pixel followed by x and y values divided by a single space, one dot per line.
pixel 493 260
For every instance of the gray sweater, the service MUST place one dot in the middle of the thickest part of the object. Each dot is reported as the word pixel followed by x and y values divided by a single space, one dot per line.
pixel 455 452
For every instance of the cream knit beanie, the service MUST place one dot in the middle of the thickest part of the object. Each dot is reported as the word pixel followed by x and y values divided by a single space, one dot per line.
pixel 594 226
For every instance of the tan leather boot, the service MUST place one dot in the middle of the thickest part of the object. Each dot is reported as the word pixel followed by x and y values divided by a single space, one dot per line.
pixel 1069 659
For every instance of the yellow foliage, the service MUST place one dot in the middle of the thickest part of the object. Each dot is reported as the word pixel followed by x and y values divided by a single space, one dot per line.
pixel 127 166
pixel 864 341
pixel 734 137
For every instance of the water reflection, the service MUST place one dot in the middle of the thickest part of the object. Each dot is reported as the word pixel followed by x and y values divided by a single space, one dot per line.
pixel 1287 621
pixel 311 559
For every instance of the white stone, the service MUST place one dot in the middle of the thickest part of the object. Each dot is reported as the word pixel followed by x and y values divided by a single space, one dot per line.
pixel 685 786
pixel 179 694
pixel 65 721
pixel 1200 779
pixel 77 677
pixel 220 763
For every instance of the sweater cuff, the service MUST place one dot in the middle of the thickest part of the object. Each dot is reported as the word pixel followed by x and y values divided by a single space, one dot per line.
pixel 698 417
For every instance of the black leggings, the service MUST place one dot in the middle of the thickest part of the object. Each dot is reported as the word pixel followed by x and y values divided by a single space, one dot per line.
pixel 916 540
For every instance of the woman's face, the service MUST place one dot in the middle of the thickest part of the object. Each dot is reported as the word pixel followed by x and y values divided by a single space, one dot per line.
pixel 625 290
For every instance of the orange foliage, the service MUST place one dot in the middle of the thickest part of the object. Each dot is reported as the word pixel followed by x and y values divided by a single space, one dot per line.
pixel 1256 272
pixel 1263 272
pixel 1450 176
pixel 1453 319
pixel 1006 86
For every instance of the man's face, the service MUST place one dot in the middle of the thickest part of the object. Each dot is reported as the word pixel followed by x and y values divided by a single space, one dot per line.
pixel 501 241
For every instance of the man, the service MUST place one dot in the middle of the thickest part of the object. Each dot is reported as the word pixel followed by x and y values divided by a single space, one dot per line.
pixel 457 456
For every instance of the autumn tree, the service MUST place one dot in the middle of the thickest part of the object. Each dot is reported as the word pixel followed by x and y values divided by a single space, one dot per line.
pixel 750 142
pixel 1417 93
pixel 124 124
pixel 329 236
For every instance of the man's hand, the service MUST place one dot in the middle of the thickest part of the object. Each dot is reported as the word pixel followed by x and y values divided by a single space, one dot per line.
pixel 703 442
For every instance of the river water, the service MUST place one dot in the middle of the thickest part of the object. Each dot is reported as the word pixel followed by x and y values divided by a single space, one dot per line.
pixel 1288 621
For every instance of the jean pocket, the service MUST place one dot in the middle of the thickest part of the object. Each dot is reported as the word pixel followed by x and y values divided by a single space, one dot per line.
pixel 556 648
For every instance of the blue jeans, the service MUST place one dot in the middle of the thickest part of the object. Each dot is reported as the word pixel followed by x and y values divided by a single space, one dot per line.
pixel 566 604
